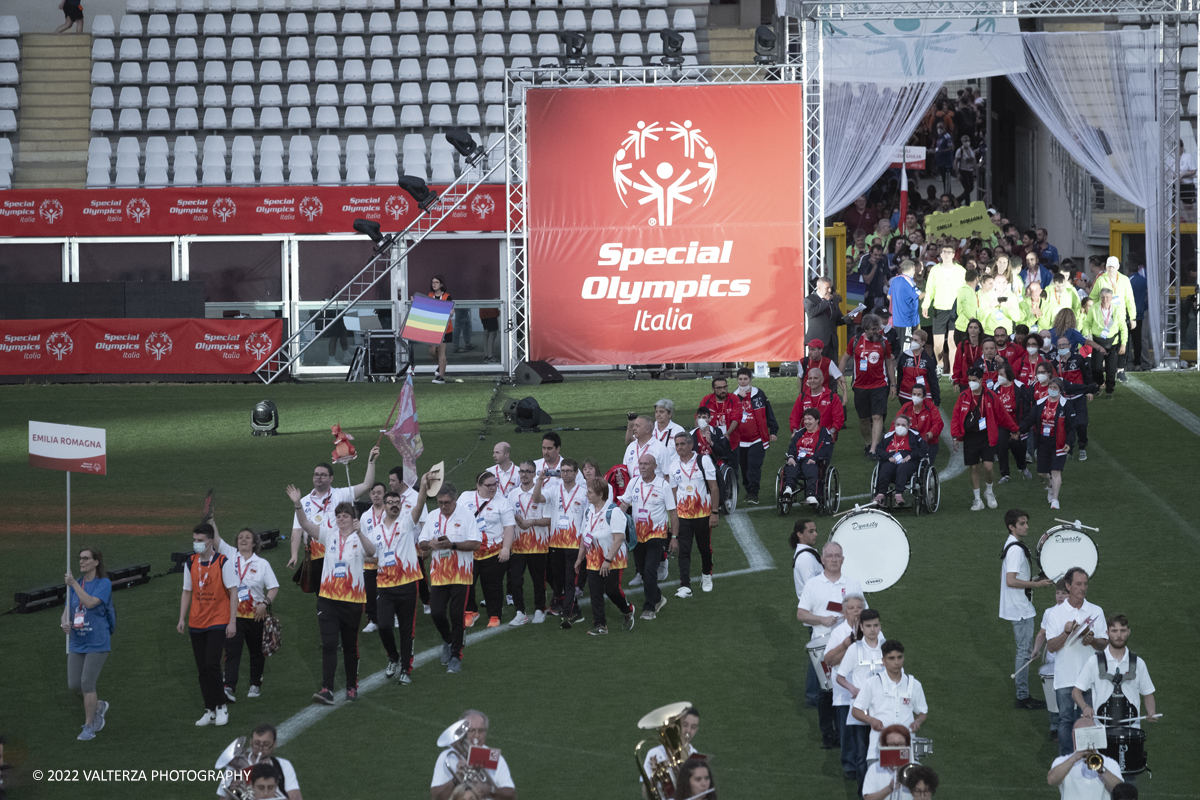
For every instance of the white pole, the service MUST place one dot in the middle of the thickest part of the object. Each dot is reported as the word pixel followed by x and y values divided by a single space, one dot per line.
pixel 68 548
pixel 348 481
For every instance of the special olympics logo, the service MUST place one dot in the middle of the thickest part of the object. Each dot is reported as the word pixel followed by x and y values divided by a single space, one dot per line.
pixel 59 344
pixel 224 208
pixel 51 211
pixel 673 167
pixel 873 358
pixel 482 205
pixel 396 205
pixel 158 345
pixel 137 209
pixel 258 345
pixel 311 207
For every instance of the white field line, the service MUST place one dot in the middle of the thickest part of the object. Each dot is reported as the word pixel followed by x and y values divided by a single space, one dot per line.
pixel 743 531
pixel 1164 404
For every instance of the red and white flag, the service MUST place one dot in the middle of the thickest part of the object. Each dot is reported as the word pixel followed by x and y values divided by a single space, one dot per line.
pixel 903 199
pixel 406 433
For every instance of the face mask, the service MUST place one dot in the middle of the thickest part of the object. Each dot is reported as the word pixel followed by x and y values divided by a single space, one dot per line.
pixel 1064 351
pixel 901 430
pixel 1043 378
pixel 198 547
pixel 917 401
pixel 1032 350
pixel 702 424
pixel 974 385
pixel 1002 381
pixel 743 390
pixel 1053 394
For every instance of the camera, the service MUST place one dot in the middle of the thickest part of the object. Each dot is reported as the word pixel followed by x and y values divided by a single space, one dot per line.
pixel 631 416
pixel 553 473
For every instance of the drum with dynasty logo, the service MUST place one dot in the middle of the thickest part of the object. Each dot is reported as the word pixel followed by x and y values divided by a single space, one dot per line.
pixel 875 546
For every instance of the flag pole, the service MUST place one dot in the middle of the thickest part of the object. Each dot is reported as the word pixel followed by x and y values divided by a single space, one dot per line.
pixel 387 424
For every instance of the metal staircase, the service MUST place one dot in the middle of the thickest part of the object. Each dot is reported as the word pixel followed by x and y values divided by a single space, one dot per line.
pixel 348 296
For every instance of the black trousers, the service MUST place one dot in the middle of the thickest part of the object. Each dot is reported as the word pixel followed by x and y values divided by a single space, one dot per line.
pixel 811 473
pixel 423 584
pixel 1107 364
pixel 1136 336
pixel 338 620
pixel 1010 442
pixel 900 474
pixel 398 602
pixel 655 550
pixel 751 461
pixel 967 178
pixel 447 604
pixel 250 633
pixel 369 579
pixel 207 647
pixel 610 585
pixel 698 529
pixel 560 568
pixel 536 564
pixel 825 717
pixel 489 576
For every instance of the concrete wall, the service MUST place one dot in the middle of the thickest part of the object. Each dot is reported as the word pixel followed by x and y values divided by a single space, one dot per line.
pixel 1052 210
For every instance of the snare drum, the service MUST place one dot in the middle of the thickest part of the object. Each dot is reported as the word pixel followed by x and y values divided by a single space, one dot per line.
pixel 1063 547
pixel 816 653
pixel 875 546
pixel 1127 747
pixel 1046 673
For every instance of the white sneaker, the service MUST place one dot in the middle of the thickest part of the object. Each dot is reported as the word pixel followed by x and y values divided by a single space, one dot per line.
pixel 637 581
pixel 1054 504
pixel 683 591
pixel 208 719
pixel 991 499
pixel 811 500
pixel 395 622
pixel 371 628
pixel 1082 454
pixel 663 570
pixel 229 695
pixel 662 601
pixel 519 619
pixel 254 692
pixel 787 492
pixel 539 617
pixel 1027 474
pixel 977 505
pixel 222 717
pixel 424 607
pixel 508 600
pixel 706 583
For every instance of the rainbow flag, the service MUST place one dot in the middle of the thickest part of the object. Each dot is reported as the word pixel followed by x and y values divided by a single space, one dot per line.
pixel 427 319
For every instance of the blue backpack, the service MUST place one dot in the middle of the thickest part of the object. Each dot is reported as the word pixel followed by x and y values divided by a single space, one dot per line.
pixel 630 528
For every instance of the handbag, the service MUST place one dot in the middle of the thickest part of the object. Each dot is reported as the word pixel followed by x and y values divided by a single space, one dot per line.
pixel 304 574
pixel 272 636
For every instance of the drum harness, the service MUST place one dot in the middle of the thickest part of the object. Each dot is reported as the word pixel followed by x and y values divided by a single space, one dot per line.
pixel 1117 702
pixel 806 549
pixel 1028 561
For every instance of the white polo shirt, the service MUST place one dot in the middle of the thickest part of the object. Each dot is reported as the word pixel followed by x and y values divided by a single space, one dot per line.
pixel 537 538
pixel 667 436
pixel 804 566
pixel 819 592
pixel 566 506
pixel 447 763
pixel 1069 660
pixel 635 451
pixel 650 505
pixel 891 703
pixel 1082 783
pixel 506 479
pixel 878 777
pixel 1047 667
pixel 320 510
pixel 858 665
pixel 496 515
pixel 255 579
pixel 1014 605
pixel 690 483
pixel 1102 690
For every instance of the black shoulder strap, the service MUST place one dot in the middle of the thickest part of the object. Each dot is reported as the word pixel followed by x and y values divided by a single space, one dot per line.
pixel 1028 560
pixel 806 549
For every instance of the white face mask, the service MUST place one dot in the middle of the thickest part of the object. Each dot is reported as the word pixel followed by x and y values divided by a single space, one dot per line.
pixel 198 547
pixel 702 423
pixel 1043 378
pixel 974 385
pixel 1064 351
pixel 1032 350
pixel 901 430
pixel 1001 381
pixel 1052 394
pixel 917 401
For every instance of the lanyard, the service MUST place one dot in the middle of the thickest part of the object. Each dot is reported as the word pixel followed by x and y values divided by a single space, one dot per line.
pixel 387 543
pixel 508 480
pixel 82 588
pixel 375 519
pixel 566 504
pixel 643 495
pixel 640 451
pixel 665 434
pixel 525 506
pixel 438 524
pixel 695 466
pixel 241 572
pixel 328 497
pixel 1107 314
pixel 342 545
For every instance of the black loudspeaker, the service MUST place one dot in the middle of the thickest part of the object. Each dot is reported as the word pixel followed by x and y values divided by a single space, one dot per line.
pixel 531 373
pixel 381 353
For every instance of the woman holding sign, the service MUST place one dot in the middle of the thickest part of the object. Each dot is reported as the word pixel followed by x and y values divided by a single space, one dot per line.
pixel 88 620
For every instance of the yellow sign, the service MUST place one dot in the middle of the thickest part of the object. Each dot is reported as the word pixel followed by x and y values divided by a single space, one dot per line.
pixel 961 223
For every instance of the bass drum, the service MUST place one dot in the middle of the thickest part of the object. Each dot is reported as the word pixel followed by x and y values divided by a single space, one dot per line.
pixel 1063 547
pixel 875 546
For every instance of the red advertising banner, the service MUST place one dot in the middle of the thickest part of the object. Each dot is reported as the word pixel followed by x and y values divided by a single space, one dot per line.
pixel 665 224
pixel 136 346
pixel 229 210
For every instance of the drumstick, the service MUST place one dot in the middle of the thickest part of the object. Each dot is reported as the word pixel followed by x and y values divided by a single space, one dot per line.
pixel 1077 524
pixel 857 508
pixel 1023 666
pixel 1139 719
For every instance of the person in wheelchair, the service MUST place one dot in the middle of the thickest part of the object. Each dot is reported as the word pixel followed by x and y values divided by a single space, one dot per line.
pixel 900 453
pixel 810 446
pixel 924 418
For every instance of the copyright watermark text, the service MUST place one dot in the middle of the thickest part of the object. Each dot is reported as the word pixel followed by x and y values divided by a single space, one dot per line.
pixel 134 775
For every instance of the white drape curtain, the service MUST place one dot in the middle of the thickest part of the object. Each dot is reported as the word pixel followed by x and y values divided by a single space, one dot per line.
pixel 1096 92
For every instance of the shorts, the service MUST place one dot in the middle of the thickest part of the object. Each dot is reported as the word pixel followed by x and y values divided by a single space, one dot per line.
pixel 943 320
pixel 73 13
pixel 1048 461
pixel 977 448
pixel 490 324
pixel 447 339
pixel 871 402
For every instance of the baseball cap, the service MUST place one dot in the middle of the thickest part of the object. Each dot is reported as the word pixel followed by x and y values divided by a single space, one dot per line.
pixel 815 343
pixel 1113 261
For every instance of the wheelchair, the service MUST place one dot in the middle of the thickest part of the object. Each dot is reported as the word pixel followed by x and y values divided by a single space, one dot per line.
pixel 828 491
pixel 727 485
pixel 924 489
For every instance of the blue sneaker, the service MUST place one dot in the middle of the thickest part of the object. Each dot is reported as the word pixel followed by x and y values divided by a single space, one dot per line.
pixel 86 734
pixel 447 653
pixel 455 666
pixel 98 717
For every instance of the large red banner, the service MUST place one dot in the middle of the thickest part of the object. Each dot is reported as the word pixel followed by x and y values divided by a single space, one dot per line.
pixel 665 224
pixel 229 210
pixel 136 346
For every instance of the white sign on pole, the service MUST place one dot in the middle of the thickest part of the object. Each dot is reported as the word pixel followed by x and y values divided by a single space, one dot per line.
pixel 69 448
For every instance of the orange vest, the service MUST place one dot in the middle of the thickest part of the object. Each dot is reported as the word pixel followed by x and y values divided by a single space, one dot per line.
pixel 210 598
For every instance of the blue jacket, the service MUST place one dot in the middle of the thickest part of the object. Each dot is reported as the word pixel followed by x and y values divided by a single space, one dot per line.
pixel 1137 282
pixel 1045 277
pixel 906 304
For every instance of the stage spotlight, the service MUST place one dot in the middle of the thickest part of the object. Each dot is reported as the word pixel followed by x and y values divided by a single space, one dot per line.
pixel 464 144
pixel 764 45
pixel 573 44
pixel 40 598
pixel 125 577
pixel 672 45
pixel 264 421
pixel 416 187
pixel 369 228
pixel 269 539
pixel 529 415
pixel 178 559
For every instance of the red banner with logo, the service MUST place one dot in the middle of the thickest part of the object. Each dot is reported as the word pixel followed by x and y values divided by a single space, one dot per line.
pixel 136 346
pixel 230 210
pixel 665 224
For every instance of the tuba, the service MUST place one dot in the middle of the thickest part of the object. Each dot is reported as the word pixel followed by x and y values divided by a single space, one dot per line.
pixel 235 759
pixel 455 737
pixel 660 783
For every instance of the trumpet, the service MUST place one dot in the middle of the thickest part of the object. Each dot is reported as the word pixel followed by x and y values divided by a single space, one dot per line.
pixel 660 783
pixel 1094 761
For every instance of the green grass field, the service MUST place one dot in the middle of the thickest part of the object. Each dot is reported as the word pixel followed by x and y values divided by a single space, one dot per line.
pixel 563 705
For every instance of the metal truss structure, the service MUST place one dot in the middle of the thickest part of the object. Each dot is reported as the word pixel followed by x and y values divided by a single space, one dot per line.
pixel 804 27
pixel 517 81
pixel 390 252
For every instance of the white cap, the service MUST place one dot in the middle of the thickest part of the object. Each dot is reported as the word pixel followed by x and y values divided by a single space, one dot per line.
pixel 1113 261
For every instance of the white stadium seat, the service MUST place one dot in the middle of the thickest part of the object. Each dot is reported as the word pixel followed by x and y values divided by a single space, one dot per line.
pixel 547 22
pixel 131 72
pixel 214 49
pixel 465 69
pixel 494 117
pixel 631 44
pixel 547 44
pixel 415 167
pixel 326 71
pixel 158 72
pixel 410 117
pixel 689 43
pixel 268 25
pixel 408 46
pixel 270 118
pixel 8 98
pixel 102 120
pixel 214 97
pixel 409 70
pixel 300 175
pixel 214 25
pixel 493 68
pixel 493 44
pixel 102 97
pixel 268 47
pixel 242 72
pixel 158 50
pixel 298 72
pixel 298 95
pixel 131 50
pixel 184 144
pixel 519 45
pixel 97 179
pixel 327 117
pixel 354 94
pixel 353 23
pixel 406 22
pixel 242 97
pixel 186 120
pixel 326 47
pixel 357 174
pixel 573 20
pixel 327 95
pixel 297 47
pixel 439 116
pixel 519 21
pixel 102 25
pixel 131 120
pixel 464 45
pixel 241 25
pixel 185 72
pixel 435 22
pixel 385 143
pixel 131 25
pixel 602 20
pixel 325 23
pixel 269 96
pixel 9 25
pixel 131 97
pixel 410 94
pixel 185 25
pixel 215 119
pixel 439 92
pixel 381 47
pixel 437 45
pixel 386 174
pixel 464 22
pixel 467 116
pixel 379 23
pixel 297 25
pixel 185 97
pixel 191 5
pixel 158 97
pixel 242 119
pixel 354 70
pixel 102 50
pixel 329 176
pixel 186 50
pixel 157 119
pixel 493 22
pixel 299 118
pixel 353 47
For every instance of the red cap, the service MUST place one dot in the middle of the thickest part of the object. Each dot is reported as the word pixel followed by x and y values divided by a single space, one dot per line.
pixel 815 343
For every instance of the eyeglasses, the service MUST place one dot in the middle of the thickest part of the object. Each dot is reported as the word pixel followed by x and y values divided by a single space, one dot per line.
pixel 526 471
pixel 491 485
pixel 322 475
pixel 86 558
pixel 922 793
